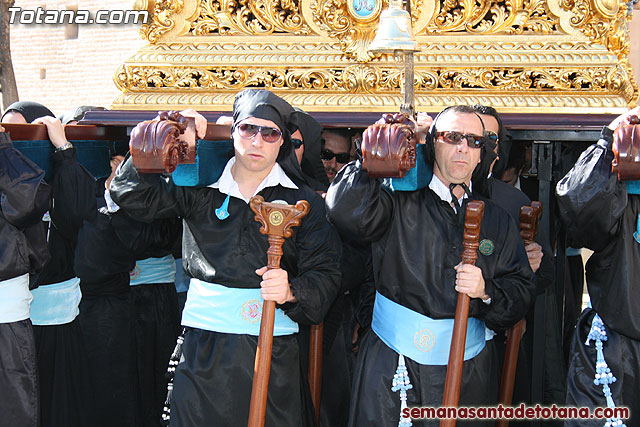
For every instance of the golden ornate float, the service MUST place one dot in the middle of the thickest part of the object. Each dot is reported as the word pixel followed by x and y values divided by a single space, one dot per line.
pixel 539 56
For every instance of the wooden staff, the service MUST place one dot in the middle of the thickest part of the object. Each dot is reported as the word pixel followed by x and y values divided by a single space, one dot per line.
pixel 315 358
pixel 315 366
pixel 529 220
pixel 453 381
pixel 277 221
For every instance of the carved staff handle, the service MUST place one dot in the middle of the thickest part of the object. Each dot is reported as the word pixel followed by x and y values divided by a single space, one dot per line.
pixel 453 381
pixel 529 220
pixel 277 221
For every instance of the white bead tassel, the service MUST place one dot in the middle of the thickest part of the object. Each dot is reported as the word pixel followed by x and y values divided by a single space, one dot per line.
pixel 401 383
pixel 603 376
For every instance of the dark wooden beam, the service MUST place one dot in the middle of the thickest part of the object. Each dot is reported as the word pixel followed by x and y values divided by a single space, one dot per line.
pixel 29 132
pixel 522 121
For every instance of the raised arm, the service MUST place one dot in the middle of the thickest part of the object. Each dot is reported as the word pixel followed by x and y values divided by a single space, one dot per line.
pixel 358 206
pixel 148 196
pixel 73 187
pixel 590 197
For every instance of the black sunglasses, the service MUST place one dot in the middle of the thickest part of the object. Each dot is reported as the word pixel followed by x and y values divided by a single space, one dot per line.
pixel 455 138
pixel 491 136
pixel 340 157
pixel 297 143
pixel 270 135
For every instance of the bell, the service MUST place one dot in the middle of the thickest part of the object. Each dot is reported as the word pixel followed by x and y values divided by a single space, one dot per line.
pixel 394 31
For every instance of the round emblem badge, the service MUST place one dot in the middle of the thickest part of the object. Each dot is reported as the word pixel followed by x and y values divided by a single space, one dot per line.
pixel 252 311
pixel 276 218
pixel 133 274
pixel 424 340
pixel 486 247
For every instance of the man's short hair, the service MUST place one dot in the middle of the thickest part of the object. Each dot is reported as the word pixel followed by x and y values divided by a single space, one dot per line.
pixel 488 111
pixel 504 141
pixel 458 109
pixel 339 132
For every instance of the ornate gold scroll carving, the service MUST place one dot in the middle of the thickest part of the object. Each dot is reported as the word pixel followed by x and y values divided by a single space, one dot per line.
pixel 517 55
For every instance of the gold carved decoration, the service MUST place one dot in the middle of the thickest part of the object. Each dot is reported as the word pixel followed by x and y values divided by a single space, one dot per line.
pixel 488 17
pixel 516 55
pixel 249 18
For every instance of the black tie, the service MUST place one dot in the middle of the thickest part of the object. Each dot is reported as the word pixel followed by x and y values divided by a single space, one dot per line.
pixel 457 207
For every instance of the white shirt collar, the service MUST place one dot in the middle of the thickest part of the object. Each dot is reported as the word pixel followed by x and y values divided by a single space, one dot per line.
pixel 111 205
pixel 227 185
pixel 517 184
pixel 438 187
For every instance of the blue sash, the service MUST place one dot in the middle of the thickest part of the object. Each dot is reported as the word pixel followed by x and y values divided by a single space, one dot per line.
pixel 216 308
pixel 56 304
pixel 573 251
pixel 182 279
pixel 153 270
pixel 422 339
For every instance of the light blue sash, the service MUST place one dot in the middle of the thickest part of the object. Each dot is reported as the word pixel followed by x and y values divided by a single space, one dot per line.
pixel 182 279
pixel 15 299
pixel 573 251
pixel 214 307
pixel 56 304
pixel 153 270
pixel 422 339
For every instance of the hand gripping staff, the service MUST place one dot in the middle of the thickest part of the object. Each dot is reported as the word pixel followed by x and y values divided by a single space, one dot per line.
pixel 277 221
pixel 453 381
pixel 529 220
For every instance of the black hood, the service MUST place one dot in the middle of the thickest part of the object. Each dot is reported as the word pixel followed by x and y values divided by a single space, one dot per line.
pixel 262 104
pixel 29 110
pixel 311 132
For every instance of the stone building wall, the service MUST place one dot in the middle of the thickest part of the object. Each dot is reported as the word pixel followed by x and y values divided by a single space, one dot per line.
pixel 62 72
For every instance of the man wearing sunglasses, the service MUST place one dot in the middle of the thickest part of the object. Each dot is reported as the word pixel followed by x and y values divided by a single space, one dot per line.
pixel 504 195
pixel 336 146
pixel 225 255
pixel 306 135
pixel 511 199
pixel 417 246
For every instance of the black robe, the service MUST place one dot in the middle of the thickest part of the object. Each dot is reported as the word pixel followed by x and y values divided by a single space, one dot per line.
pixel 407 226
pixel 24 198
pixel 352 308
pixel 61 354
pixel 511 200
pixel 73 190
pixel 156 325
pixel 601 216
pixel 228 252
pixel 107 249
